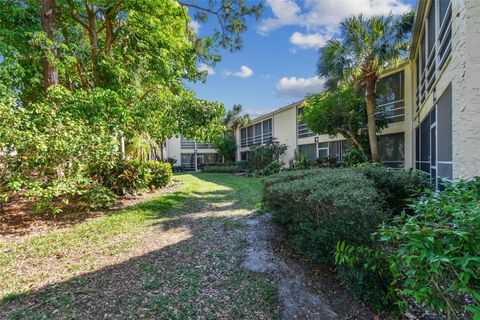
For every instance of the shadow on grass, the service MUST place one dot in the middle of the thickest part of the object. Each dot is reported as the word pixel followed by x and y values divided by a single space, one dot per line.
pixel 191 276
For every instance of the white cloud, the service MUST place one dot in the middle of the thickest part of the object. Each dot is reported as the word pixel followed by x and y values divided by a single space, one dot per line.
pixel 205 67
pixel 194 25
pixel 244 72
pixel 325 14
pixel 308 41
pixel 298 87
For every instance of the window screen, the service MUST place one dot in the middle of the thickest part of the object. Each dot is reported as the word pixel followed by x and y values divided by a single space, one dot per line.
pixel 444 125
pixel 391 149
pixel 431 28
pixel 309 151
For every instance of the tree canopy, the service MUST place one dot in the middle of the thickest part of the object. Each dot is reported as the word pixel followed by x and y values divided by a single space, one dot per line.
pixel 78 76
pixel 365 48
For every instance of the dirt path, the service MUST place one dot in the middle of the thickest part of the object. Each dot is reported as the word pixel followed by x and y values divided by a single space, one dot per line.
pixel 304 292
pixel 200 252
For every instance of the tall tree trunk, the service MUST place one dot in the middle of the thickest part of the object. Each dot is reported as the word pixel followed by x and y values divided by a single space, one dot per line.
pixel 93 36
pixel 50 73
pixel 371 81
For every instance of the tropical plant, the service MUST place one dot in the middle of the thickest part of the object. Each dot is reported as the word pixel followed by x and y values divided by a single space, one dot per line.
pixel 234 118
pixel 340 111
pixel 261 156
pixel 366 48
pixel 226 145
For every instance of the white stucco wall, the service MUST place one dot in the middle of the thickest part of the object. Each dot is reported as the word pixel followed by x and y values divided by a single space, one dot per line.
pixel 466 88
pixel 285 130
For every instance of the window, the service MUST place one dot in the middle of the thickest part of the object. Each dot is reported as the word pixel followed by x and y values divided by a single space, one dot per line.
pixel 309 151
pixel 302 129
pixel 333 149
pixel 433 150
pixel 323 150
pixel 267 130
pixel 391 150
pixel 434 46
pixel 390 97
pixel 188 161
pixel 243 137
pixel 192 144
pixel 257 139
pixel 186 143
pixel 243 156
pixel 256 134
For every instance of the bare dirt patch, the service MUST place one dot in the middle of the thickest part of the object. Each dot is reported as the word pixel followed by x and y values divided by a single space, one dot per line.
pixel 305 291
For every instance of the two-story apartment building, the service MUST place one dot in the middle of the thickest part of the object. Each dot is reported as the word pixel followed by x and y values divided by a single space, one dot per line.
pixel 190 154
pixel 432 102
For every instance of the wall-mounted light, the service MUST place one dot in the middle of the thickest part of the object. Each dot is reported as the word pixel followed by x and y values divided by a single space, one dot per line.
pixel 316 139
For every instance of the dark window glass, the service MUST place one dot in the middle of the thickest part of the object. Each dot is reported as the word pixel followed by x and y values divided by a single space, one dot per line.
pixel 444 125
pixel 267 126
pixel 443 6
pixel 244 133
pixel 250 131
pixel 433 140
pixel 334 149
pixel 425 140
pixel 390 89
pixel 417 144
pixel 309 151
pixel 445 171
pixel 391 149
pixel 431 28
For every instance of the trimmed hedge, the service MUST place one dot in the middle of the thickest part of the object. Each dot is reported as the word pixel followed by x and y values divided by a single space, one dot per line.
pixel 398 187
pixel 321 209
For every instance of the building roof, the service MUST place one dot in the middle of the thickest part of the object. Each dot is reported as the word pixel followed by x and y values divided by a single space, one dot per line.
pixel 281 109
pixel 417 25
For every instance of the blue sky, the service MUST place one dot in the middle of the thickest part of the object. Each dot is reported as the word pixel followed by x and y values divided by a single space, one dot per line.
pixel 277 63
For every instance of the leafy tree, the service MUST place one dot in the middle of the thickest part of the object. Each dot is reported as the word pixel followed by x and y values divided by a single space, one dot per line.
pixel 366 47
pixel 76 76
pixel 340 112
pixel 226 145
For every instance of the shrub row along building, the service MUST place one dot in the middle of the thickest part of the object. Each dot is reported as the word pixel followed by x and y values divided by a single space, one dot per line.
pixel 432 103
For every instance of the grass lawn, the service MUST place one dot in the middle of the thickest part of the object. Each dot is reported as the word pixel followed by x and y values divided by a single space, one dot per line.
pixel 175 256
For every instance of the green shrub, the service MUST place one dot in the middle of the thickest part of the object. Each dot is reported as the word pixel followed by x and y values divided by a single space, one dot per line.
pixel 321 209
pixel 437 257
pixel 160 172
pixel 232 168
pixel 131 176
pixel 290 176
pixel 273 167
pixel 365 270
pixel 398 187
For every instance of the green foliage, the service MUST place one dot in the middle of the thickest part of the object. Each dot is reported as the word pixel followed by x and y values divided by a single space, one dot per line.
pixel 226 145
pixel 437 248
pixel 399 188
pixel 229 168
pixel 161 173
pixel 261 156
pixel 273 167
pixel 321 209
pixel 354 157
pixel 121 69
pixel 131 176
pixel 234 118
pixel 366 272
pixel 341 112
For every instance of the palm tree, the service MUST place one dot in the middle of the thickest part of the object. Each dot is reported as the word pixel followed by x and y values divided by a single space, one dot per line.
pixel 142 147
pixel 234 118
pixel 366 48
